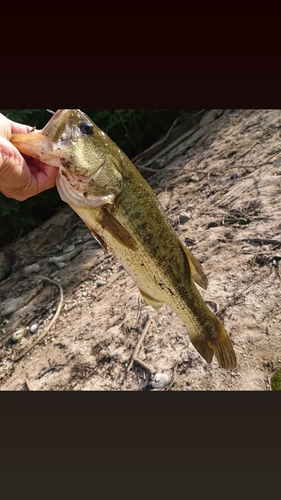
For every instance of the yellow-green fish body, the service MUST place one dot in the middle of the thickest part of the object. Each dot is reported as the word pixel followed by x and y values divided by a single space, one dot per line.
pixel 110 195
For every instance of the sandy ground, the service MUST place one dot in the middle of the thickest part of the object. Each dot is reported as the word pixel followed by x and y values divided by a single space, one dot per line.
pixel 221 189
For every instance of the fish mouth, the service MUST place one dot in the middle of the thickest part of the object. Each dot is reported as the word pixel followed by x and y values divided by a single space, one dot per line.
pixel 37 145
pixel 52 145
pixel 45 144
pixel 73 189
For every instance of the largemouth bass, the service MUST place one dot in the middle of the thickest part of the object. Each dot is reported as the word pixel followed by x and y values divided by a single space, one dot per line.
pixel 106 190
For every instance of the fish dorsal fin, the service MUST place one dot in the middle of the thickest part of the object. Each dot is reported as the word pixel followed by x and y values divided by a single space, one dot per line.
pixel 196 270
pixel 115 228
pixel 149 300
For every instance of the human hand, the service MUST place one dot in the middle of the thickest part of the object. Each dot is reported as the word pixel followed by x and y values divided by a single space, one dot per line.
pixel 21 176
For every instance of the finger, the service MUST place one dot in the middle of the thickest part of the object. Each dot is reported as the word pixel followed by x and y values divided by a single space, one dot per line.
pixel 45 177
pixel 9 127
pixel 15 177
pixel 19 128
pixel 7 149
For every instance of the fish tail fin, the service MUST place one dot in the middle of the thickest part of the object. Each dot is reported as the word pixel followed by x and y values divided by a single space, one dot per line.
pixel 218 344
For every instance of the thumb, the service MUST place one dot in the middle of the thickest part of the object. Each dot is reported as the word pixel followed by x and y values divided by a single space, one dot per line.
pixel 9 127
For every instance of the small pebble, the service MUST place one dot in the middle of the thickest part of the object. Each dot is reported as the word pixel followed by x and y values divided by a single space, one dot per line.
pixel 184 217
pixel 19 333
pixel 144 319
pixel 33 328
pixel 195 178
pixel 161 380
pixel 68 249
pixel 60 265
pixel 100 283
pixel 33 268
pixel 212 224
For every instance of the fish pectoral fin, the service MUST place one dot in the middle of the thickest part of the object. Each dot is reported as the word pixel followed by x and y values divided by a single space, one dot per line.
pixel 150 301
pixel 196 270
pixel 115 228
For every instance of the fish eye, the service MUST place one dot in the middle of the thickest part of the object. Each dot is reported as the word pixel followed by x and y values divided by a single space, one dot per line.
pixel 86 128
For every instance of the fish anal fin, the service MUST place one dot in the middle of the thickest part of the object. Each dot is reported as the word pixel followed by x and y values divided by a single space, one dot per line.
pixel 115 228
pixel 150 300
pixel 202 346
pixel 196 270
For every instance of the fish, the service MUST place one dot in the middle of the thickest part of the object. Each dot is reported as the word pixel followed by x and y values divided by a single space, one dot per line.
pixel 101 184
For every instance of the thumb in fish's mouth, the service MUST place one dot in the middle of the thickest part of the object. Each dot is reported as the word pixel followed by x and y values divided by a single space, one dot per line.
pixel 37 145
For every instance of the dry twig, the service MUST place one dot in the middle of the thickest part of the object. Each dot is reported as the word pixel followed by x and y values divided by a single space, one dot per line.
pixel 43 335
pixel 237 297
pixel 137 348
